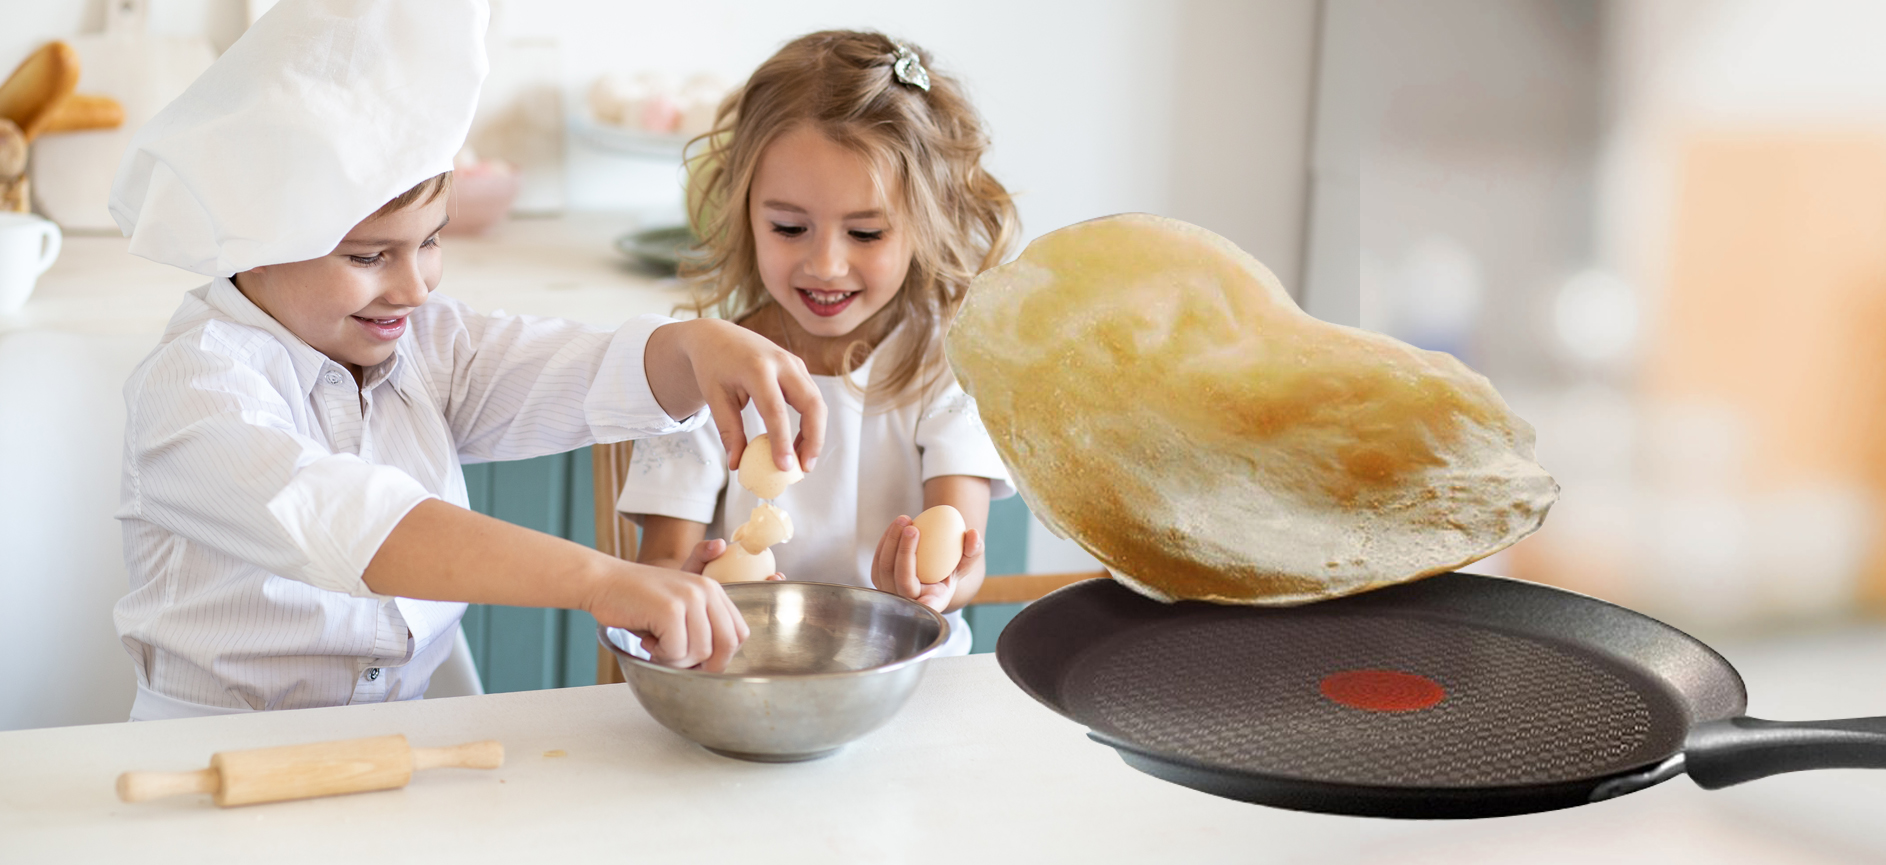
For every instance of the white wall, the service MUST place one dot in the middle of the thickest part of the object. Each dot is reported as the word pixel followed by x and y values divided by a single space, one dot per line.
pixel 1196 109
pixel 61 565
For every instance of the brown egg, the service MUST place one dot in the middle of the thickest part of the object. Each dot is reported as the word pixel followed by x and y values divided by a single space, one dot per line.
pixel 939 543
pixel 758 473
pixel 736 565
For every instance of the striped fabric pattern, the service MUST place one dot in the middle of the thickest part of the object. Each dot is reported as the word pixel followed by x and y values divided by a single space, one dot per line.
pixel 259 480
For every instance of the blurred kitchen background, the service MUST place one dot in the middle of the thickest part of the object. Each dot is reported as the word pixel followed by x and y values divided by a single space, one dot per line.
pixel 1659 226
pixel 1201 110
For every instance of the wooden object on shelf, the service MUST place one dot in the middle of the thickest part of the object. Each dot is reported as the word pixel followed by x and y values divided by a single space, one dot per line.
pixel 615 533
pixel 306 771
pixel 1020 588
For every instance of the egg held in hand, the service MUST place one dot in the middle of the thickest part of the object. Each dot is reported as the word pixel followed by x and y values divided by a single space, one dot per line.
pixel 939 543
pixel 1160 399
pixel 760 475
pixel 736 565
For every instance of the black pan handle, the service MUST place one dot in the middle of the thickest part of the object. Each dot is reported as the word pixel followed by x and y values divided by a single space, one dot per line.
pixel 1720 753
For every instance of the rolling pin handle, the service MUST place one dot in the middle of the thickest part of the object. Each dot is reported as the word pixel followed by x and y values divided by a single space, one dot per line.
pixel 143 786
pixel 488 754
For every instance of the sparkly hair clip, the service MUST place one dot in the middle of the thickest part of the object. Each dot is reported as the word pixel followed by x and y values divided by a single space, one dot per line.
pixel 909 69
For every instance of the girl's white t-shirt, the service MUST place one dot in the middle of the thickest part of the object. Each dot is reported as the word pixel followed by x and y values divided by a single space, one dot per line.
pixel 870 471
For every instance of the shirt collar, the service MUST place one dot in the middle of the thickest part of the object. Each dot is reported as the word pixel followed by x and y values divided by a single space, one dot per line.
pixel 310 364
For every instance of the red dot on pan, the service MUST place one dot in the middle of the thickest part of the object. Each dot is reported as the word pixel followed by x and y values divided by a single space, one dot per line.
pixel 1382 690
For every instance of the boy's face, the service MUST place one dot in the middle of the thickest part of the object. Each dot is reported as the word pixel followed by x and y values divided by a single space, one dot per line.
pixel 352 303
pixel 828 252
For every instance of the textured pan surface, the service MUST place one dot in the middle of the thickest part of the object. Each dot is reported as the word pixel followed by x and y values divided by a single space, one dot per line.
pixel 1539 687
pixel 1246 696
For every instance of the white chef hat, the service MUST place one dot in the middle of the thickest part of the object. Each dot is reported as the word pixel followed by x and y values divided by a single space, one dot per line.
pixel 321 113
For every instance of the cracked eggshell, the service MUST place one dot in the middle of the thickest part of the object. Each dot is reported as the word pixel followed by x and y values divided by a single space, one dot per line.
pixel 736 565
pixel 758 473
pixel 939 543
pixel 766 526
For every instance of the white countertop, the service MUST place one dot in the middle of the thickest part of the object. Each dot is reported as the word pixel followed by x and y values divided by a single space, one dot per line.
pixel 971 771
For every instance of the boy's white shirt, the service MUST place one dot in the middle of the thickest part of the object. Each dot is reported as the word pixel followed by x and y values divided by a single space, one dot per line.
pixel 259 482
pixel 870 470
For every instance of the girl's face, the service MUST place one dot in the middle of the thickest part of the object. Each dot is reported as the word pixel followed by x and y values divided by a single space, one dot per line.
pixel 828 251
pixel 352 303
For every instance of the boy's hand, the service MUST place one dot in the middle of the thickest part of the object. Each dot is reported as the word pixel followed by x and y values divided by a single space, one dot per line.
pixel 724 365
pixel 894 565
pixel 684 619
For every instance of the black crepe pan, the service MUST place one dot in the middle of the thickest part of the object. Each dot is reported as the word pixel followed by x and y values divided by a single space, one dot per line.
pixel 1454 696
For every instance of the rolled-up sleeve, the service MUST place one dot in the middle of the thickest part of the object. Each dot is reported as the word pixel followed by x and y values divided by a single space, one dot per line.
pixel 678 475
pixel 522 386
pixel 953 441
pixel 213 455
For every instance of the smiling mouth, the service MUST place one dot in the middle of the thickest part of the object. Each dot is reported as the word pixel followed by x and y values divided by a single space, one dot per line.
pixel 826 302
pixel 383 328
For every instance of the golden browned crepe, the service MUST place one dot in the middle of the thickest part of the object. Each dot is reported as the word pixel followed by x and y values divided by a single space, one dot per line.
pixel 1160 399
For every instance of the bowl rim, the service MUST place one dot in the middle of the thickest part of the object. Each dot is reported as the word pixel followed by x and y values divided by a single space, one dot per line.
pixel 943 636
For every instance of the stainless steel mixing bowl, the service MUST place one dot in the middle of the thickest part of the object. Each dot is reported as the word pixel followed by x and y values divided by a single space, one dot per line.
pixel 824 665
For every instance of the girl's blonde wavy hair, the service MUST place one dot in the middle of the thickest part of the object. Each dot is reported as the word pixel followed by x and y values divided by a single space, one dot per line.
pixel 841 84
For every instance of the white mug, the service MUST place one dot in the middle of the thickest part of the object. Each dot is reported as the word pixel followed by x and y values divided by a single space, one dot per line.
pixel 28 245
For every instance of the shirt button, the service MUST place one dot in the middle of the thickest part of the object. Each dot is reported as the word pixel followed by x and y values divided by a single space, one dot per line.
pixel 333 377
pixel 373 674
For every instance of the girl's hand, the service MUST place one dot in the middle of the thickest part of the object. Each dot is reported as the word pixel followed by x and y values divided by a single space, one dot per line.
pixel 894 565
pixel 703 552
pixel 724 365
pixel 683 618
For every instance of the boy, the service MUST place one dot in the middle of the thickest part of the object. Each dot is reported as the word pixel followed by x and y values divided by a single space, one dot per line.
pixel 294 512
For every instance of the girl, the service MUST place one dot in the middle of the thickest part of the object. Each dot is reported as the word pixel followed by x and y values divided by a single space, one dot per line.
pixel 844 209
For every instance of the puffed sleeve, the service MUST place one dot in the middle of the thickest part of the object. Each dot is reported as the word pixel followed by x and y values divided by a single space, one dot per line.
pixel 678 475
pixel 953 441
pixel 212 454
pixel 519 386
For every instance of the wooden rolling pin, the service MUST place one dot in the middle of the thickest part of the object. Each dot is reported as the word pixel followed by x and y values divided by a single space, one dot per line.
pixel 307 771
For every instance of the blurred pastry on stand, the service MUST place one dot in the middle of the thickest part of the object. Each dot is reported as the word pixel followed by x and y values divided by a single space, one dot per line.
pixel 13 184
pixel 84 112
pixel 36 100
pixel 650 103
pixel 482 192
pixel 77 138
pixel 45 78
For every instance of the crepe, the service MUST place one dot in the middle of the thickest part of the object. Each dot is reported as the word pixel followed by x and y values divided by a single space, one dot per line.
pixel 1160 399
